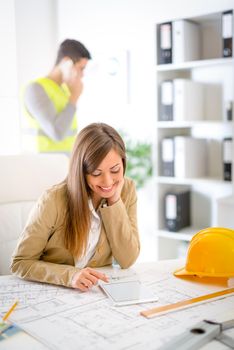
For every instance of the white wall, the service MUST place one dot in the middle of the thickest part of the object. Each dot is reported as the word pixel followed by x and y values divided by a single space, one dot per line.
pixel 28 44
pixel 36 41
pixel 109 29
pixel 36 37
pixel 9 117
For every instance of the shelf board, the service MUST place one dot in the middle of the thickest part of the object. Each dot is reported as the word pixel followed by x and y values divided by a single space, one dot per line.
pixel 194 64
pixel 190 181
pixel 183 235
pixel 190 124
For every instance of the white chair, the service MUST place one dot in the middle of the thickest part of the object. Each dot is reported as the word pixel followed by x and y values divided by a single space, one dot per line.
pixel 23 178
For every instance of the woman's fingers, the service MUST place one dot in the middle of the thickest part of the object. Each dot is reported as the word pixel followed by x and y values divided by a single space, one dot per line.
pixel 92 279
pixel 85 281
pixel 87 278
pixel 97 274
pixel 81 287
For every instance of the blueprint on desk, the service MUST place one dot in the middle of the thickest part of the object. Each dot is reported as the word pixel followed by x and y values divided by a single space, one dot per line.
pixel 63 318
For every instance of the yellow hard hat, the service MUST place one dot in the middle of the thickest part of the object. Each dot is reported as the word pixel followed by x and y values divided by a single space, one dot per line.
pixel 210 253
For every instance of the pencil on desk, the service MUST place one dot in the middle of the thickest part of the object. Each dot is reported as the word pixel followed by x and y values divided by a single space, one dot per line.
pixel 5 317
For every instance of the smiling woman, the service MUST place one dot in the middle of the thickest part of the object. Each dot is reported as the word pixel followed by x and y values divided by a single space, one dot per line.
pixel 86 221
pixel 107 181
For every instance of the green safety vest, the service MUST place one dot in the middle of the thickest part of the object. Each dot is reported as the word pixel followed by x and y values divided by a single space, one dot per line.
pixel 34 137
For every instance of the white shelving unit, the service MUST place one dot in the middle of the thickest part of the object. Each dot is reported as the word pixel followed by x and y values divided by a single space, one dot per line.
pixel 217 75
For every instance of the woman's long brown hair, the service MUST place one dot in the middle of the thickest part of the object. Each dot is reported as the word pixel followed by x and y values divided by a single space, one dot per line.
pixel 92 144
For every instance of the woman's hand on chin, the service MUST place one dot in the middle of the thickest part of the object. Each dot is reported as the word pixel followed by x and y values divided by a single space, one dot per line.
pixel 113 199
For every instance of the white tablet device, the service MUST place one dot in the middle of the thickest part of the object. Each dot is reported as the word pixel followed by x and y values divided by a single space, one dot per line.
pixel 128 292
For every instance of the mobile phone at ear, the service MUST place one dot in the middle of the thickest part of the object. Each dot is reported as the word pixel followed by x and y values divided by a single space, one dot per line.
pixel 65 67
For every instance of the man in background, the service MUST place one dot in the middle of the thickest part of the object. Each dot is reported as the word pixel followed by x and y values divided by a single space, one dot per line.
pixel 50 102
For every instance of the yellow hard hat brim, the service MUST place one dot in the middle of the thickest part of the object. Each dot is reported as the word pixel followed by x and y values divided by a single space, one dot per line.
pixel 183 272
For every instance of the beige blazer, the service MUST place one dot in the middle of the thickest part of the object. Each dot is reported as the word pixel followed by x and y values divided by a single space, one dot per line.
pixel 40 254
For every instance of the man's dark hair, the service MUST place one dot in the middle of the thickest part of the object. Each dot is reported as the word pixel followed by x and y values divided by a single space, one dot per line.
pixel 73 49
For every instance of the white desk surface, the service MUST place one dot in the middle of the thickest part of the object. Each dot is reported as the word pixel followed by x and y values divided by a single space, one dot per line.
pixel 63 318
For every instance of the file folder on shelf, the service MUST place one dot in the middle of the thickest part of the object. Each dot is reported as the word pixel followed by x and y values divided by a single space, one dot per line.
pixel 167 153
pixel 227 158
pixel 188 100
pixel 229 110
pixel 186 41
pixel 184 157
pixel 190 157
pixel 227 33
pixel 166 101
pixel 165 43
pixel 177 210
